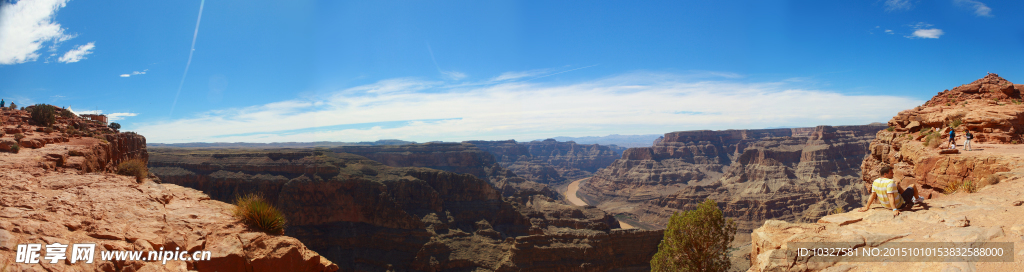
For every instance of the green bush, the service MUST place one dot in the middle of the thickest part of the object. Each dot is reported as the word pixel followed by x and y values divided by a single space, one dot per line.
pixel 956 123
pixel 115 126
pixel 18 137
pixel 891 128
pixel 696 240
pixel 133 167
pixel 16 148
pixel 255 212
pixel 43 114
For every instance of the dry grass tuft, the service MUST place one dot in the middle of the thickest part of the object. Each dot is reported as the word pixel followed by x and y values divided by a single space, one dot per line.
pixel 255 212
pixel 133 167
pixel 961 186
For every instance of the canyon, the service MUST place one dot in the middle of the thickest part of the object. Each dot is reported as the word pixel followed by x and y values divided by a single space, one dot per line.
pixel 796 175
pixel 378 208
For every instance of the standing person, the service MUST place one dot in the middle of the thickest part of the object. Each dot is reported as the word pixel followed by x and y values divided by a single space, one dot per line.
pixel 1 103
pixel 967 139
pixel 890 195
pixel 952 138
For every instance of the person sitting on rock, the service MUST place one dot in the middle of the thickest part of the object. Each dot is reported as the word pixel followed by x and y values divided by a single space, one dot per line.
pixel 885 190
pixel 952 138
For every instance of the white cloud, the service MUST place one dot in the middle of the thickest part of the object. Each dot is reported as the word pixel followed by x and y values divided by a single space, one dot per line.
pixel 135 73
pixel 77 54
pixel 25 26
pixel 87 112
pixel 897 5
pixel 117 116
pixel 888 31
pixel 922 30
pixel 636 103
pixel 980 8
pixel 931 33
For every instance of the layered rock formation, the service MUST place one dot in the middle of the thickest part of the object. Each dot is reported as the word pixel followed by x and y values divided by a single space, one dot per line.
pixel 366 216
pixel 989 107
pixel 62 192
pixel 550 161
pixel 788 174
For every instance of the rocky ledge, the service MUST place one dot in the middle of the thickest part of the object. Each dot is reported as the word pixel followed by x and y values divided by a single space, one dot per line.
pixel 994 214
pixel 915 144
pixel 63 192
pixel 989 107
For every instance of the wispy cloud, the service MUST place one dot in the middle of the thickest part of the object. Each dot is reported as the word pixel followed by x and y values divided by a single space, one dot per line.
pixel 520 74
pixel 25 26
pixel 923 30
pixel 135 73
pixel 980 8
pixel 632 103
pixel 77 54
pixel 898 5
pixel 118 116
pixel 889 31
pixel 453 75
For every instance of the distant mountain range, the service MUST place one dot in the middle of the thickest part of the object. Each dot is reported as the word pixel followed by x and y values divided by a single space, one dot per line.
pixel 280 145
pixel 614 139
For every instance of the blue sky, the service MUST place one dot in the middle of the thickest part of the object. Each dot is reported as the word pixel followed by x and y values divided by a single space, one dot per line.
pixel 494 70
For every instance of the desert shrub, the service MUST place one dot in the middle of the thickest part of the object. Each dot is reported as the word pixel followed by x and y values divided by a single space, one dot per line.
pixel 696 240
pixel 15 149
pixel 1013 142
pixel 947 104
pixel 72 132
pixel 837 210
pixel 991 179
pixel 258 214
pixel 19 136
pixel 66 114
pixel 48 130
pixel 932 140
pixel 133 167
pixel 956 123
pixel 43 114
pixel 891 128
pixel 114 126
pixel 960 186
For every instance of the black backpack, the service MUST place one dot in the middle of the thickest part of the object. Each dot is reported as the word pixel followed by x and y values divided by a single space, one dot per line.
pixel 970 136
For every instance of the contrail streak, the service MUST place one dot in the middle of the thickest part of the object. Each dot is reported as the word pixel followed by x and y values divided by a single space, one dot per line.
pixel 432 58
pixel 193 49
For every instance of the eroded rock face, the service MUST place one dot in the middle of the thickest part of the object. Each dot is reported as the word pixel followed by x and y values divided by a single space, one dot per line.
pixel 989 107
pixel 366 216
pixel 754 175
pixel 463 158
pixel 56 199
pixel 550 161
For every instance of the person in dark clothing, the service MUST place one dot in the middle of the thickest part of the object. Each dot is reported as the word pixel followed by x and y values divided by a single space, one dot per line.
pixel 952 138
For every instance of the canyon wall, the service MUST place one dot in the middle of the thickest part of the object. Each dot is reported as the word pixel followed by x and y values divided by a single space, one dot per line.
pixel 797 174
pixel 550 161
pixel 916 145
pixel 367 216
